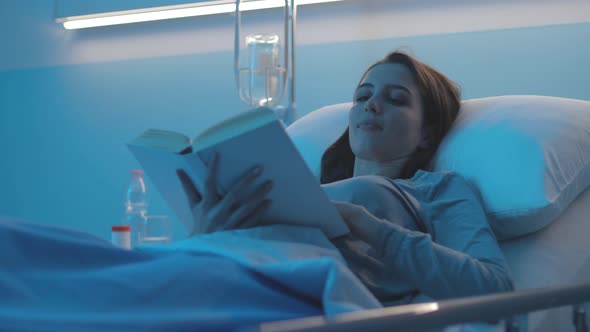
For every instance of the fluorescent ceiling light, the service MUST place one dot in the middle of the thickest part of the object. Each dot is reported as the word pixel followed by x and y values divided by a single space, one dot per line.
pixel 169 12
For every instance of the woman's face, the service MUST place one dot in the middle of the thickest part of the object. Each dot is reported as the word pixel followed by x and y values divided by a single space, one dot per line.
pixel 385 122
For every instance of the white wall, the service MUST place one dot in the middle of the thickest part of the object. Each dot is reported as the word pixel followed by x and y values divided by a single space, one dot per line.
pixel 70 100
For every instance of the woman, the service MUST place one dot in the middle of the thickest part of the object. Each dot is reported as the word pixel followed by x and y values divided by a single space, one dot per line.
pixel 415 235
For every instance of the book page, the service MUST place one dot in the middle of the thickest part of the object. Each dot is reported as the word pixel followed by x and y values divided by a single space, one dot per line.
pixel 297 197
pixel 233 126
pixel 164 139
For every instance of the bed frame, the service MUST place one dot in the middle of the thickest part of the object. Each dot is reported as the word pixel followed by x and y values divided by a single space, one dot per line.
pixel 509 307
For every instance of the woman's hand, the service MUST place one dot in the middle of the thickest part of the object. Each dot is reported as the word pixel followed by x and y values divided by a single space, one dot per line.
pixel 363 223
pixel 241 207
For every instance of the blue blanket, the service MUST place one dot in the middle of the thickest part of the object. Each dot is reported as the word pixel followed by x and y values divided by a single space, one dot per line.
pixel 57 279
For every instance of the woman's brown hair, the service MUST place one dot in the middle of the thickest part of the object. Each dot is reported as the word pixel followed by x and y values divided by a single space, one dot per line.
pixel 441 99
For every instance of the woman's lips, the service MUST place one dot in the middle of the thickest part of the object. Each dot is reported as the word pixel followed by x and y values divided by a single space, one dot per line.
pixel 369 125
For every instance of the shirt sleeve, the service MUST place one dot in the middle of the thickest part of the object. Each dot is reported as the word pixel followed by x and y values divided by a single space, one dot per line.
pixel 461 257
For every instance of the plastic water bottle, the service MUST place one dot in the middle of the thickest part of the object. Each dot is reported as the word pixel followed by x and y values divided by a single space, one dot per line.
pixel 136 203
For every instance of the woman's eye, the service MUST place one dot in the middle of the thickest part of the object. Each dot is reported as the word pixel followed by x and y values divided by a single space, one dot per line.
pixel 397 101
pixel 362 98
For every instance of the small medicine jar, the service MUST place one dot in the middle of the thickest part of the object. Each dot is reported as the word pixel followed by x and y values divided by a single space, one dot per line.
pixel 121 236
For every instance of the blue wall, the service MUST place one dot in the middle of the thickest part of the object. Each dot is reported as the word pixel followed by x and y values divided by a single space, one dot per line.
pixel 63 129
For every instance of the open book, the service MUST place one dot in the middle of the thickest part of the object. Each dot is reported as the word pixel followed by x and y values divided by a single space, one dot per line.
pixel 255 137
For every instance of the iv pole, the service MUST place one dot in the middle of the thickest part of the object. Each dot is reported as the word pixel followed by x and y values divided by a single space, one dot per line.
pixel 288 114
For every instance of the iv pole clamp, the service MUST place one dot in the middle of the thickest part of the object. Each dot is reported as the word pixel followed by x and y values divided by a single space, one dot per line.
pixel 286 114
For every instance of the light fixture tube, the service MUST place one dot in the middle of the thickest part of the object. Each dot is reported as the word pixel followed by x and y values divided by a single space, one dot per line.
pixel 170 12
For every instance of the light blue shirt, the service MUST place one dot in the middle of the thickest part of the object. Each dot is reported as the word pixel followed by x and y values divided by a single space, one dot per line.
pixel 440 243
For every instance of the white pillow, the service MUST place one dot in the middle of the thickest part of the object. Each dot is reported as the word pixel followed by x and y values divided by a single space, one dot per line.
pixel 529 156
pixel 316 131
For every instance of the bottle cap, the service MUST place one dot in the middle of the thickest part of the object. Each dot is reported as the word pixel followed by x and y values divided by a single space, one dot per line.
pixel 137 172
pixel 121 228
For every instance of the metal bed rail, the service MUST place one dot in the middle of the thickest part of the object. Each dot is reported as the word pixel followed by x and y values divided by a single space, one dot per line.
pixel 425 316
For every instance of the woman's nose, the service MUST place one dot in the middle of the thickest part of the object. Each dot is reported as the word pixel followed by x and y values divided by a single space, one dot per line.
pixel 373 106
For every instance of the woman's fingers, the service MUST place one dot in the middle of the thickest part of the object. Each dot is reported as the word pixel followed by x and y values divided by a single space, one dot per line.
pixel 249 215
pixel 253 218
pixel 210 191
pixel 215 223
pixel 361 222
pixel 190 190
pixel 349 214
pixel 236 193
pixel 249 208
pixel 241 206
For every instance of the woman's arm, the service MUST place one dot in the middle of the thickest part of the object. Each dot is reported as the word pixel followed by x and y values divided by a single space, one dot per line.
pixel 465 259
pixel 441 271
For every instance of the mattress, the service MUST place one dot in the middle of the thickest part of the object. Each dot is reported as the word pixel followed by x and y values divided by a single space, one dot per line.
pixel 556 255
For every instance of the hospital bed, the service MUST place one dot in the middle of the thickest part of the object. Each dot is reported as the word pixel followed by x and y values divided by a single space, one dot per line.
pixel 551 271
pixel 544 236
pixel 534 187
